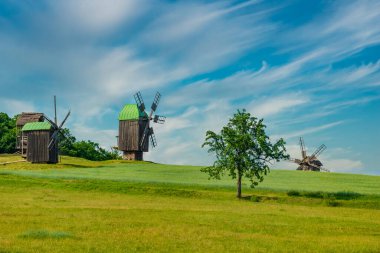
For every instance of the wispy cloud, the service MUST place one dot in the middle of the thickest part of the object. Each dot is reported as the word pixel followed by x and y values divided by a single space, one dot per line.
pixel 307 131
pixel 13 107
pixel 275 105
pixel 207 59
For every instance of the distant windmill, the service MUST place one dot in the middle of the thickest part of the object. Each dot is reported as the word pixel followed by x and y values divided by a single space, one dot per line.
pixel 309 162
pixel 42 139
pixel 135 130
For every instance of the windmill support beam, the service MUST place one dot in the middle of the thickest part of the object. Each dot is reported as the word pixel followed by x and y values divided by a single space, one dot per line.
pixel 133 155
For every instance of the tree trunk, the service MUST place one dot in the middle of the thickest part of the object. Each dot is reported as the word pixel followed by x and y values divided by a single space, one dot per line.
pixel 238 194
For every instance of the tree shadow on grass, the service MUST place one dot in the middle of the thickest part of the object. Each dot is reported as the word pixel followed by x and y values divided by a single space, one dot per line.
pixel 258 198
pixel 44 234
pixel 71 165
pixel 342 195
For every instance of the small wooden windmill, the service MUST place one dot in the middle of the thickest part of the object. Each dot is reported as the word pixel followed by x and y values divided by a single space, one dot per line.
pixel 309 163
pixel 22 119
pixel 42 139
pixel 135 130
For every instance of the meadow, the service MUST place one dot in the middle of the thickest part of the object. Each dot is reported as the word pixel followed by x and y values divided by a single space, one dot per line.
pixel 118 206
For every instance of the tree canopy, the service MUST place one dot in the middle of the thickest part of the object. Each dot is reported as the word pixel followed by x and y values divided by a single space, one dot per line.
pixel 7 133
pixel 242 148
pixel 85 149
pixel 68 144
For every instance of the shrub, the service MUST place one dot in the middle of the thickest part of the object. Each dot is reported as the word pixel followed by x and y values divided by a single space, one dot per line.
pixel 346 195
pixel 293 193
pixel 317 195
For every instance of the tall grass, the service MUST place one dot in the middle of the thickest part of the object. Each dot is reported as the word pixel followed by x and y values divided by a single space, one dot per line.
pixel 142 207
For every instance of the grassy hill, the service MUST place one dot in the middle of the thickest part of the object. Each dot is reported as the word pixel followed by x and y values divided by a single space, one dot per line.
pixel 119 206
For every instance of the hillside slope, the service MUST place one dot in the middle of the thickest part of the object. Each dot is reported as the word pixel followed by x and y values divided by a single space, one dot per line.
pixel 116 206
pixel 282 180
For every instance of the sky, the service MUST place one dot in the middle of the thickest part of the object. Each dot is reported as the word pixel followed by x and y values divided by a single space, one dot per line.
pixel 309 68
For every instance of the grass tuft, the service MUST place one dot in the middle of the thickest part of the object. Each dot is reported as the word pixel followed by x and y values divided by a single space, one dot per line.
pixel 333 203
pixel 44 234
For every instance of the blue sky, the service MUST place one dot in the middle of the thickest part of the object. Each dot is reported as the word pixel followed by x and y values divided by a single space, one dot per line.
pixel 309 68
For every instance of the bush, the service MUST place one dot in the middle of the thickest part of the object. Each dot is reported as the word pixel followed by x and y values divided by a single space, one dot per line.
pixel 293 193
pixel 85 149
pixel 332 203
pixel 347 195
pixel 7 133
pixel 317 195
pixel 68 144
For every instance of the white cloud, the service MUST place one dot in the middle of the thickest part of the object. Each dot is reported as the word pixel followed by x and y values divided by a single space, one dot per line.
pixel 96 15
pixel 106 137
pixel 307 131
pixel 343 165
pixel 95 54
pixel 275 105
pixel 13 107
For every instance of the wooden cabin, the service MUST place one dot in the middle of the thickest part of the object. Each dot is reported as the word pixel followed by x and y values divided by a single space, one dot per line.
pixel 22 119
pixel 132 123
pixel 39 135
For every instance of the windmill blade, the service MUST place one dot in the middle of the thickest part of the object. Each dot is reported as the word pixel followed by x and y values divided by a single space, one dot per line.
pixel 155 102
pixel 61 134
pixel 318 151
pixel 53 139
pixel 152 138
pixel 144 136
pixel 302 146
pixel 159 119
pixel 52 123
pixel 324 169
pixel 139 101
pixel 295 160
pixel 63 122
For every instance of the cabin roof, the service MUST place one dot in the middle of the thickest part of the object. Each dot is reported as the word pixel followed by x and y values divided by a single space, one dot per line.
pixel 27 117
pixel 36 126
pixel 131 112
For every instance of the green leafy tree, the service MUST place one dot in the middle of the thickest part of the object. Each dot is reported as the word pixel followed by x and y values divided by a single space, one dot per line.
pixel 7 133
pixel 68 144
pixel 243 149
pixel 85 149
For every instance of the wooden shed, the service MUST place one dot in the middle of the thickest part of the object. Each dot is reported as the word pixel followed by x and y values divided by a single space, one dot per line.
pixel 22 119
pixel 132 123
pixel 39 135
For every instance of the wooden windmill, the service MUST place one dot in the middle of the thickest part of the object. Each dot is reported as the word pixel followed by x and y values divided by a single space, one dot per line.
pixel 42 138
pixel 135 130
pixel 309 163
pixel 22 120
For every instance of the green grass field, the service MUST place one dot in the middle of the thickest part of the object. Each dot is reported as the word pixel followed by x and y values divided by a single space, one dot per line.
pixel 118 206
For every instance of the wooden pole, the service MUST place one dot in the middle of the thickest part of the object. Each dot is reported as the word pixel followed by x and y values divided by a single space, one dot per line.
pixel 55 110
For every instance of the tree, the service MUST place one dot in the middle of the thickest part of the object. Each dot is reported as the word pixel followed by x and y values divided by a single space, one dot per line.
pixel 85 149
pixel 68 145
pixel 243 149
pixel 7 133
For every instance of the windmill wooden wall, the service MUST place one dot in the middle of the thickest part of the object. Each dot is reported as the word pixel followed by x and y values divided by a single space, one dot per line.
pixel 38 150
pixel 22 119
pixel 130 134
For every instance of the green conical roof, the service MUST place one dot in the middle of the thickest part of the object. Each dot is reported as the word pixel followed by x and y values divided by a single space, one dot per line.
pixel 131 112
pixel 36 126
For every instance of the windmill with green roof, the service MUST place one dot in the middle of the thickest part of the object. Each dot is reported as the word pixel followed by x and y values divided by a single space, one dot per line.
pixel 42 139
pixel 135 130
